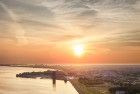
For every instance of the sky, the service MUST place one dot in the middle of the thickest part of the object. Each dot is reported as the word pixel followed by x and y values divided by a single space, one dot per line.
pixel 45 31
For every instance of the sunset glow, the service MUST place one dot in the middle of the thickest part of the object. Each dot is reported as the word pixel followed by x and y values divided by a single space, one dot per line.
pixel 78 49
pixel 81 46
pixel 59 31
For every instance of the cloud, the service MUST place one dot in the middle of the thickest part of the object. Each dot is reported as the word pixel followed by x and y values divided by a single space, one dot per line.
pixel 65 38
pixel 123 39
pixel 19 35
pixel 26 10
pixel 67 19
pixel 106 26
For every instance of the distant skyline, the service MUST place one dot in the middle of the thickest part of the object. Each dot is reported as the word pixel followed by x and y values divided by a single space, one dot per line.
pixel 47 31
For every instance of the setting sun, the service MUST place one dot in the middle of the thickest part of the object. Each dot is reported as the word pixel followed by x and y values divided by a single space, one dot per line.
pixel 78 49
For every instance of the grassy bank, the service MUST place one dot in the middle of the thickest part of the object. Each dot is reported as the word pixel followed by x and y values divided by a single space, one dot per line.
pixel 82 89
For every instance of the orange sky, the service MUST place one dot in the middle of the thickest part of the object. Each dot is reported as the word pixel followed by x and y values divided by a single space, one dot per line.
pixel 45 31
pixel 65 55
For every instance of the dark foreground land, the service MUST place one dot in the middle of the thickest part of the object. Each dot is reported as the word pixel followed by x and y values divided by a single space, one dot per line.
pixel 49 74
pixel 98 79
pixel 107 80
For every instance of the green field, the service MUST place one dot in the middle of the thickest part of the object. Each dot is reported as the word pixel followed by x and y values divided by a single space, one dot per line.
pixel 82 89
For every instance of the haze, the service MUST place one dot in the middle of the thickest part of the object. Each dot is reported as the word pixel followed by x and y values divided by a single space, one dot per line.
pixel 45 31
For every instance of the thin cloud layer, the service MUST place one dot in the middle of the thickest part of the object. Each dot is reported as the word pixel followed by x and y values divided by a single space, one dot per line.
pixel 52 22
pixel 85 16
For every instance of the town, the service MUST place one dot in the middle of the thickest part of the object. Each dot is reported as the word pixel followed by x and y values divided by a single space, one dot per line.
pixel 97 79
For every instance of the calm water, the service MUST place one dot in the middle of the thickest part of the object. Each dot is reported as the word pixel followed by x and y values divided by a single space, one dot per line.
pixel 9 84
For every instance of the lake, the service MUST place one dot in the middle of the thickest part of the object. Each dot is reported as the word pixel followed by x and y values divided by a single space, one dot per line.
pixel 9 84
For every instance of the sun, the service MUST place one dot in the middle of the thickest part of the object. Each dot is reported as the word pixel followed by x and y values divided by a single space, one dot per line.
pixel 78 49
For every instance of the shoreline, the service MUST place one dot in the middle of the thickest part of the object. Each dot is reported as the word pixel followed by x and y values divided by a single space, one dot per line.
pixel 80 88
pixel 76 87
